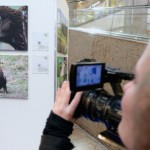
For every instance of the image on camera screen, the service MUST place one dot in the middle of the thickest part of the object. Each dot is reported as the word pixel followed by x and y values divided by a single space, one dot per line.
pixel 88 75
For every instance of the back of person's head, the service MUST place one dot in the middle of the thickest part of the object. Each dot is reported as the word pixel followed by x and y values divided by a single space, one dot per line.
pixel 134 128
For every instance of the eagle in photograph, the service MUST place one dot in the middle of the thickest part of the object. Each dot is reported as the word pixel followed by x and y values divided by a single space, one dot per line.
pixel 13 27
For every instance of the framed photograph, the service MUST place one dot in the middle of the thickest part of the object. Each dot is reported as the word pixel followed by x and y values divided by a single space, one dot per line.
pixel 62 33
pixel 62 70
pixel 14 28
pixel 14 76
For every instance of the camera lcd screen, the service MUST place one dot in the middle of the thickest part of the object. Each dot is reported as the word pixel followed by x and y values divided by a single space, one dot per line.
pixel 88 75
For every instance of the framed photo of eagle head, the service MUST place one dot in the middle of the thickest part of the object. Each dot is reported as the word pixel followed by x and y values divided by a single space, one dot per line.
pixel 13 28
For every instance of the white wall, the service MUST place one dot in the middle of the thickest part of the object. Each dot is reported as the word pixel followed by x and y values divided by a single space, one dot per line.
pixel 62 4
pixel 22 121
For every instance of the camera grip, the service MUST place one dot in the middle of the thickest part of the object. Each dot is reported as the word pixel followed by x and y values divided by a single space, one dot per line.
pixel 77 113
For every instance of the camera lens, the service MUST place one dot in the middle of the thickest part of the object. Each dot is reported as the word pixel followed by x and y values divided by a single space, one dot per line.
pixel 100 106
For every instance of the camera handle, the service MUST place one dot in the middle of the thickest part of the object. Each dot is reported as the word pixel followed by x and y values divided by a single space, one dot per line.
pixel 117 89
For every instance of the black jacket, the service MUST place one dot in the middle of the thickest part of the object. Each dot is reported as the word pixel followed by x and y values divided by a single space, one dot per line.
pixel 55 134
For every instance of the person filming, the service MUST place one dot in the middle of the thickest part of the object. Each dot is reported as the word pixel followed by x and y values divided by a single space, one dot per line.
pixel 134 127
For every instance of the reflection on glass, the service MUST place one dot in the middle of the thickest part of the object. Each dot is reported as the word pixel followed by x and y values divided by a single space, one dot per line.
pixel 128 22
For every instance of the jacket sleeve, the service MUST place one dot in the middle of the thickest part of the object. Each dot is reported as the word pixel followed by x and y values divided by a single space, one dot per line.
pixel 55 134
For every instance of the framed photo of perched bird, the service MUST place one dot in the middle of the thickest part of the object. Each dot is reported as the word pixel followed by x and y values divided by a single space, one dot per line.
pixel 62 34
pixel 14 76
pixel 14 28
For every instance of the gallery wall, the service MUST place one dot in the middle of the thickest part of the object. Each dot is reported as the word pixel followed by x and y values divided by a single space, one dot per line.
pixel 29 71
pixel 62 4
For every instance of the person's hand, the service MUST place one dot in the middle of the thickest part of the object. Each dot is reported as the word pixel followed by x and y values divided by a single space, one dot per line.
pixel 61 106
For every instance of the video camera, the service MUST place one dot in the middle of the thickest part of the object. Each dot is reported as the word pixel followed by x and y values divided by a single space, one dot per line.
pixel 96 103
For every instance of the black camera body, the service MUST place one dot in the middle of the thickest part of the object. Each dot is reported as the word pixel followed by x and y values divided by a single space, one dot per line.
pixel 96 103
